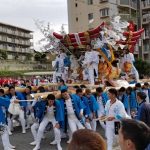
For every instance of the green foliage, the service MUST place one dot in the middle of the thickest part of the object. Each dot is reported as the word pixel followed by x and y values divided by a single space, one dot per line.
pixel 3 54
pixel 28 56
pixel 37 56
pixel 11 73
pixel 143 67
pixel 40 57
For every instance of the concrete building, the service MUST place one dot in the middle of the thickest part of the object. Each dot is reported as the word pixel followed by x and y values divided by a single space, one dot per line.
pixel 88 14
pixel 16 41
pixel 146 25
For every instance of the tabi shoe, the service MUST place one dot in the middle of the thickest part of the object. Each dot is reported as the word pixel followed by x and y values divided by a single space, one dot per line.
pixel 59 147
pixel 11 146
pixel 33 143
pixel 24 131
pixel 53 142
pixel 36 148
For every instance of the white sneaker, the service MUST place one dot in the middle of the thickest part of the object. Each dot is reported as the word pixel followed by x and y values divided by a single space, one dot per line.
pixel 53 143
pixel 68 141
pixel 10 133
pixel 11 146
pixel 59 147
pixel 33 143
pixel 36 148
pixel 24 131
pixel 27 127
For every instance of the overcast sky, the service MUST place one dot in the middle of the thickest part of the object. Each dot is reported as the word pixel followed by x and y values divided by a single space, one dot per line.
pixel 22 13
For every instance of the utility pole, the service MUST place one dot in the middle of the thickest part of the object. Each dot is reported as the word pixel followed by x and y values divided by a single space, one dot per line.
pixel 139 26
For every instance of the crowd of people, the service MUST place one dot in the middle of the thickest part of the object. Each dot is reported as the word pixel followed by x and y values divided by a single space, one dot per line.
pixel 71 113
pixel 22 82
pixel 94 65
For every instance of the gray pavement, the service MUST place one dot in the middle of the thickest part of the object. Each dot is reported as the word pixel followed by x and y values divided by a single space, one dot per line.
pixel 21 141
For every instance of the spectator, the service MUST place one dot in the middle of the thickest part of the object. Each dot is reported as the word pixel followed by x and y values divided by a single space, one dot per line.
pixel 146 90
pixel 85 139
pixel 143 113
pixel 62 85
pixel 134 135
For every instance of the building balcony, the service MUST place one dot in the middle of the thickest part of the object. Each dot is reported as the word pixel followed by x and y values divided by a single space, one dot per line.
pixel 15 33
pixel 146 19
pixel 128 17
pixel 10 48
pixel 103 1
pixel 127 3
pixel 147 34
pixel 145 4
pixel 1 47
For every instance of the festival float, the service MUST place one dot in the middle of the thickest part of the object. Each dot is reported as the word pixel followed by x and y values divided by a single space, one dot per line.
pixel 110 40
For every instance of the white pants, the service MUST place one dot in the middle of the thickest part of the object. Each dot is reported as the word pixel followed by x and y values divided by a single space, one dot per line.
pixel 95 66
pixel 100 113
pixel 91 76
pixel 42 127
pixel 5 140
pixel 88 125
pixel 21 118
pixel 110 135
pixel 34 129
pixel 85 74
pixel 93 125
pixel 29 119
pixel 74 124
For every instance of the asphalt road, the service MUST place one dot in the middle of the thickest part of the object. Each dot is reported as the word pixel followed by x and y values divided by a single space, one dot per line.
pixel 21 141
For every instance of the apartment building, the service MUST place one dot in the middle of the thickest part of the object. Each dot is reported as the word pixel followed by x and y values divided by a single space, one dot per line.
pixel 146 25
pixel 16 41
pixel 87 14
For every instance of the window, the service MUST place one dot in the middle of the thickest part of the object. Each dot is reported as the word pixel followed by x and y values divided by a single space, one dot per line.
pixel 90 2
pixel 76 4
pixel 90 16
pixel 77 19
pixel 101 1
pixel 104 12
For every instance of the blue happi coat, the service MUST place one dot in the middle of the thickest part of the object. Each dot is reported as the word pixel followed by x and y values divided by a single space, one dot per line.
pixel 132 101
pixel 4 102
pixel 125 100
pixel 93 103
pixel 78 105
pixel 63 87
pixel 58 111
pixel 39 110
pixel 84 100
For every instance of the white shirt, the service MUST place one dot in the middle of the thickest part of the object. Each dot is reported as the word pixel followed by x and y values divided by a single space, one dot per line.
pixel 96 56
pixel 89 57
pixel 70 111
pixel 128 58
pixel 101 106
pixel 50 113
pixel 116 108
pixel 13 98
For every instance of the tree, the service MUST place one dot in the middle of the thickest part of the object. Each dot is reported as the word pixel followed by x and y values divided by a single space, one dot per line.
pixel 3 54
pixel 143 67
pixel 37 56
pixel 28 56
